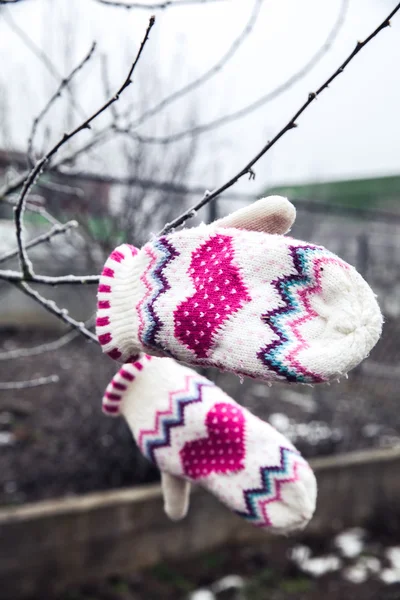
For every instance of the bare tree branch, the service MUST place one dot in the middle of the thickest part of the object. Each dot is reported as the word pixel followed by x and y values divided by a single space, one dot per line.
pixel 12 187
pixel 62 188
pixel 107 86
pixel 248 169
pixel 157 5
pixel 151 184
pixel 38 52
pixel 22 385
pixel 17 277
pixel 40 210
pixel 40 239
pixel 253 106
pixel 103 135
pixel 106 133
pixel 215 69
pixel 11 1
pixel 143 182
pixel 42 348
pixel 51 307
pixel 26 266
pixel 20 280
pixel 64 83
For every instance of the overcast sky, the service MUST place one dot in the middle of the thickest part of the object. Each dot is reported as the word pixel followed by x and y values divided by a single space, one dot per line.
pixel 352 130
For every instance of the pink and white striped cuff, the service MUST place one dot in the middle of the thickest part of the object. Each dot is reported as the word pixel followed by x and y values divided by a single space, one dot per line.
pixel 116 314
pixel 114 394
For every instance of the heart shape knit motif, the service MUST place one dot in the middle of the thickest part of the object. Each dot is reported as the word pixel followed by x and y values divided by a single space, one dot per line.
pixel 223 451
pixel 220 293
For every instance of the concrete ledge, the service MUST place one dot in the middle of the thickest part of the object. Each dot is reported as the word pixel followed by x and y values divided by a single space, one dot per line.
pixel 354 458
pixel 49 545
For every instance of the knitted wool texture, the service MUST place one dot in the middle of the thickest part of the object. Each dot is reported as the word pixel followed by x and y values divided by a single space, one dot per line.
pixel 254 303
pixel 193 431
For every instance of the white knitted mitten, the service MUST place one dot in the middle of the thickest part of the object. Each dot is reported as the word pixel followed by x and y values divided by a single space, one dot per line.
pixel 194 432
pixel 239 296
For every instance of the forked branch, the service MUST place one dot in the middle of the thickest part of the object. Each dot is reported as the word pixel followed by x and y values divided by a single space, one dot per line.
pixel 291 124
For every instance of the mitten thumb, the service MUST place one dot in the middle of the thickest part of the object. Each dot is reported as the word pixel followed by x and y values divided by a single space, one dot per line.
pixel 273 214
pixel 176 493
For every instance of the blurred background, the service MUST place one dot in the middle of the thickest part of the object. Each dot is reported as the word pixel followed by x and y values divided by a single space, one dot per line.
pixel 216 81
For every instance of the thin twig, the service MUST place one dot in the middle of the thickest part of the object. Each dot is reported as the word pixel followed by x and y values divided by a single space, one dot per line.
pixel 157 5
pixel 13 186
pixel 103 135
pixel 35 208
pixel 22 385
pixel 42 348
pixel 62 188
pixel 26 266
pixel 11 1
pixel 150 184
pixel 215 69
pixel 41 55
pixel 51 306
pixel 247 170
pixel 40 210
pixel 64 83
pixel 18 182
pixel 106 84
pixel 40 239
pixel 256 104
pixel 17 277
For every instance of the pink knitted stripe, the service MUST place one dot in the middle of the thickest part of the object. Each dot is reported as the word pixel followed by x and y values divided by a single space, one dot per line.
pixel 126 375
pixel 102 321
pixel 138 365
pixel 119 386
pixel 107 272
pixel 110 271
pixel 106 289
pixel 105 338
pixel 104 304
pixel 117 256
pixel 111 396
pixel 110 409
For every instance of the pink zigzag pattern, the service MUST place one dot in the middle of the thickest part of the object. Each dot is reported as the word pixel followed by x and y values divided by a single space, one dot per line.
pixel 310 312
pixel 295 290
pixel 278 495
pixel 272 479
pixel 174 416
pixel 147 283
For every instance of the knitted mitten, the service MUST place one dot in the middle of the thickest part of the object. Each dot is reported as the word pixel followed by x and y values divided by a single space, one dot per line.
pixel 236 296
pixel 194 432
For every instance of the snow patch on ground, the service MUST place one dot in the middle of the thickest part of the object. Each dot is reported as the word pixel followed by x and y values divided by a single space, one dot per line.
pixel 201 595
pixel 315 566
pixel 362 569
pixel 351 543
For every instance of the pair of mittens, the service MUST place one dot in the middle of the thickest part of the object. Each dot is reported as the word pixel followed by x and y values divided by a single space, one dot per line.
pixel 241 296
pixel 195 433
